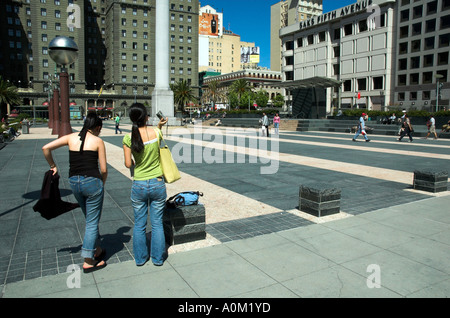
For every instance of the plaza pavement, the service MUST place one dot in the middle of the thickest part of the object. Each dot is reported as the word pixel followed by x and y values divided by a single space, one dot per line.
pixel 388 241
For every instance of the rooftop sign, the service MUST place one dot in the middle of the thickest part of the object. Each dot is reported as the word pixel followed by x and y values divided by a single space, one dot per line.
pixel 339 13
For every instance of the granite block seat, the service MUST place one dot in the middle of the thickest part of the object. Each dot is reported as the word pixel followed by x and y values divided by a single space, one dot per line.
pixel 319 199
pixel 184 224
pixel 430 180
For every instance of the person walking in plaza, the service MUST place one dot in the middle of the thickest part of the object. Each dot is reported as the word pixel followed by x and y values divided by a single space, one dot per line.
pixel 148 189
pixel 117 120
pixel 408 129
pixel 276 124
pixel 361 128
pixel 88 172
pixel 265 123
pixel 431 124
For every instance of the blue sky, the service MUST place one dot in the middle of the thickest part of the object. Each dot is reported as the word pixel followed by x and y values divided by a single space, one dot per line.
pixel 251 19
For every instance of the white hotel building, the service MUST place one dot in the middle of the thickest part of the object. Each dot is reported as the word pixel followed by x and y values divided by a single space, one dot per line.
pixel 351 57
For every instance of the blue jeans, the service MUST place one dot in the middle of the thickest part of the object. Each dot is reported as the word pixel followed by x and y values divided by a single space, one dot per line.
pixel 89 192
pixel 358 132
pixel 144 195
pixel 276 126
pixel 118 129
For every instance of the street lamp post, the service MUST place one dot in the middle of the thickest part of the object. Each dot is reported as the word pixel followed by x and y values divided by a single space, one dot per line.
pixel 55 102
pixel 438 77
pixel 64 51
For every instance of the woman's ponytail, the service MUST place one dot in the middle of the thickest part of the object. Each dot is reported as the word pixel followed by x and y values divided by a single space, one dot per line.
pixel 92 121
pixel 138 116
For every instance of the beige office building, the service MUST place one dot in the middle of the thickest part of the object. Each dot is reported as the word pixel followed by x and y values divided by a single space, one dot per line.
pixel 284 13
pixel 225 53
pixel 220 49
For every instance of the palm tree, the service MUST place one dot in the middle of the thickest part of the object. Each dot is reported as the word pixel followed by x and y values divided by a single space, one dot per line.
pixel 240 86
pixel 8 95
pixel 182 93
pixel 214 93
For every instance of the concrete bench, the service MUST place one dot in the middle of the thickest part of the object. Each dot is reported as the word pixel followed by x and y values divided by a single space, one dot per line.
pixel 184 224
pixel 430 180
pixel 319 199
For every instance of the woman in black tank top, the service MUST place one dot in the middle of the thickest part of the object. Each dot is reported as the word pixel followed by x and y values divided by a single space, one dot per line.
pixel 87 183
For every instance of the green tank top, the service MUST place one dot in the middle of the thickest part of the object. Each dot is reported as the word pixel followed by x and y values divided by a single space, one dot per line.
pixel 147 164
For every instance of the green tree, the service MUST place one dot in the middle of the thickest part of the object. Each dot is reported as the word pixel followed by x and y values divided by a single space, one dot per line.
pixel 262 98
pixel 240 87
pixel 278 100
pixel 8 95
pixel 233 99
pixel 182 94
pixel 214 93
pixel 247 99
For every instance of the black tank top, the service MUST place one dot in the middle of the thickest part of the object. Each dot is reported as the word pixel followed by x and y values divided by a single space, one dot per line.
pixel 84 164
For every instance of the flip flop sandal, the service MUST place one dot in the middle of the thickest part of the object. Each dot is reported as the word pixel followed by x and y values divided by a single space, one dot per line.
pixel 94 268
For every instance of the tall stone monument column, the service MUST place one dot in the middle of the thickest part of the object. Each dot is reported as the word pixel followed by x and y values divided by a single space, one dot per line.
pixel 162 96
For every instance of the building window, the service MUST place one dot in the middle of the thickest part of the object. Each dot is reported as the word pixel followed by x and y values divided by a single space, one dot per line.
pixel 362 85
pixel 417 12
pixel 415 62
pixel 363 26
pixel 415 46
pixel 348 86
pixel 445 22
pixel 432 7
pixel 402 64
pixel 416 29
pixel 444 40
pixel 378 82
pixel 348 29
pixel 445 5
pixel 429 43
pixel 404 32
pixel 403 48
pixel 322 36
pixel 414 79
pixel 430 26
pixel 443 58
pixel 337 33
pixel 428 60
pixel 404 15
pixel 427 78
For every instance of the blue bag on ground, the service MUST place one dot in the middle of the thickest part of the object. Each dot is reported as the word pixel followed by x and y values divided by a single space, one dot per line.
pixel 184 199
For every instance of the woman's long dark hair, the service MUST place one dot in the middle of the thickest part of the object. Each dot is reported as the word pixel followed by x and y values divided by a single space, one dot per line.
pixel 138 116
pixel 91 122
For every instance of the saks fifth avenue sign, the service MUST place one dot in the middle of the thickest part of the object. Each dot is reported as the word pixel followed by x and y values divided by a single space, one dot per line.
pixel 339 13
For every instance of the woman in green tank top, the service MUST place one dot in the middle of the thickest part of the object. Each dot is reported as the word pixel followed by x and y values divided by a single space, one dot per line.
pixel 148 191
